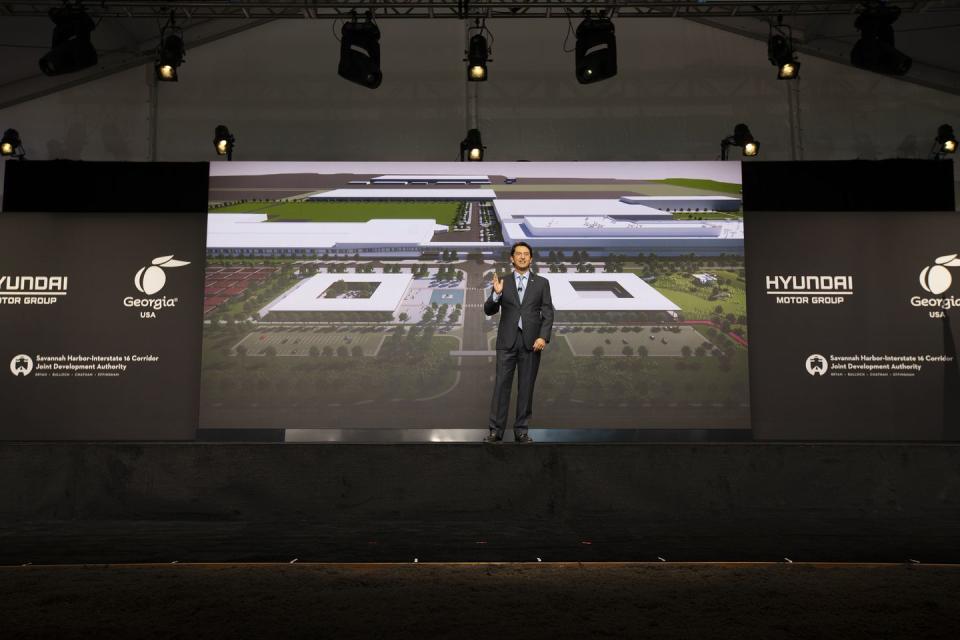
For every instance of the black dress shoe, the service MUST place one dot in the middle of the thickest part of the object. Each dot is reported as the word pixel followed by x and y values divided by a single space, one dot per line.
pixel 492 438
pixel 523 438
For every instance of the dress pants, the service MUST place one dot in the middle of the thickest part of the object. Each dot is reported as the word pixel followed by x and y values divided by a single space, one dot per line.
pixel 527 362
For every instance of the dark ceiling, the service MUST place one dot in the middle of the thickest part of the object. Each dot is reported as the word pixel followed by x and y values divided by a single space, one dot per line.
pixel 127 32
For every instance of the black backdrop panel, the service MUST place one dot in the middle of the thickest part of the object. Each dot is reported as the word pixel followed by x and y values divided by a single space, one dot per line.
pixel 853 325
pixel 119 187
pixel 849 185
pixel 100 325
pixel 141 211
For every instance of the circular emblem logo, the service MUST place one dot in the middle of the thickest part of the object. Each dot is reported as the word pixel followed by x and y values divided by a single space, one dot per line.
pixel 21 365
pixel 816 364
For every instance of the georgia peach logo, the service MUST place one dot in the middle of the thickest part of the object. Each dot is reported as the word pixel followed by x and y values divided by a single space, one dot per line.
pixel 150 279
pixel 936 278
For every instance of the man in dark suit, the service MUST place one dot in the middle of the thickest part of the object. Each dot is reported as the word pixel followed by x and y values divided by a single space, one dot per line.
pixel 525 325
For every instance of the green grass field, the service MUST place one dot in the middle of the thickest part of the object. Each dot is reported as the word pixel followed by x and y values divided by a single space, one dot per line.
pixel 705 215
pixel 407 368
pixel 730 188
pixel 661 343
pixel 679 288
pixel 637 380
pixel 299 343
pixel 442 212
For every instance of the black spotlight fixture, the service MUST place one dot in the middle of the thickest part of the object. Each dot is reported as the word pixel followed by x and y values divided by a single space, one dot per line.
pixel 10 145
pixel 471 147
pixel 170 53
pixel 71 49
pixel 360 53
pixel 780 52
pixel 223 141
pixel 876 50
pixel 945 142
pixel 741 138
pixel 478 54
pixel 596 51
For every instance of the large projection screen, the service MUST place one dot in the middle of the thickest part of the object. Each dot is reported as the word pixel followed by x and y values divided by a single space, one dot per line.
pixel 350 295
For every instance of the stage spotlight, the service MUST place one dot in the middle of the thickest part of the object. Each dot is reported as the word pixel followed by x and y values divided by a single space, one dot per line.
pixel 945 142
pixel 788 71
pixel 741 138
pixel 223 141
pixel 471 147
pixel 10 145
pixel 875 51
pixel 780 53
pixel 171 51
pixel 71 49
pixel 169 58
pixel 596 51
pixel 360 53
pixel 477 59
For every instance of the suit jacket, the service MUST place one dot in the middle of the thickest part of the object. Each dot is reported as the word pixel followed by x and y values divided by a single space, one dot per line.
pixel 536 311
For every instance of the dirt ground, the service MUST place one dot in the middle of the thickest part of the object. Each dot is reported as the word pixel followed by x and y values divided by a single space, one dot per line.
pixel 529 601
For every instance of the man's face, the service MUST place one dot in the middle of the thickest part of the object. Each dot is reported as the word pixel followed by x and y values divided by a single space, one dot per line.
pixel 521 258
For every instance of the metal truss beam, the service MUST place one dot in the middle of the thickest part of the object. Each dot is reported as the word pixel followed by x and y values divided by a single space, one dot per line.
pixel 494 9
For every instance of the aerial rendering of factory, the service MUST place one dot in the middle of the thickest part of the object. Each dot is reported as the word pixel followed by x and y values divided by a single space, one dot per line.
pixel 597 226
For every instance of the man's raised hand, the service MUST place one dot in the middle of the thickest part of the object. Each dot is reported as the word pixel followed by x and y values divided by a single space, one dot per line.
pixel 497 284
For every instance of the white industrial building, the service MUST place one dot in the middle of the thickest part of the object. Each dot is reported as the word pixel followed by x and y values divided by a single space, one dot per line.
pixel 686 203
pixel 249 234
pixel 517 209
pixel 605 227
pixel 605 292
pixel 422 179
pixel 599 226
pixel 626 207
pixel 606 296
pixel 307 296
pixel 426 195
pixel 628 224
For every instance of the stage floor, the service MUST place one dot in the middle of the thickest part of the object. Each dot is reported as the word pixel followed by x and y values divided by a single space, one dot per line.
pixel 529 601
pixel 226 502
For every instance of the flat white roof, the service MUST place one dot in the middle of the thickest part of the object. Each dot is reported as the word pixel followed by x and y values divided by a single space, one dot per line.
pixel 642 199
pixel 716 203
pixel 592 226
pixel 643 297
pixel 421 177
pixel 251 231
pixel 227 219
pixel 659 233
pixel 404 194
pixel 306 295
pixel 267 241
pixel 556 208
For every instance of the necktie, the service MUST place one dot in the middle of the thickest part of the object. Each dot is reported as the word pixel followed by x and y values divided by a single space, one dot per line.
pixel 520 281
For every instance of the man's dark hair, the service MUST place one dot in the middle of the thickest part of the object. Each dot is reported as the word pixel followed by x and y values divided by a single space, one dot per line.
pixel 513 249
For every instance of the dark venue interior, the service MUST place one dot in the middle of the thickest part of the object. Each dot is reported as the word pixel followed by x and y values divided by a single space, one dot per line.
pixel 259 260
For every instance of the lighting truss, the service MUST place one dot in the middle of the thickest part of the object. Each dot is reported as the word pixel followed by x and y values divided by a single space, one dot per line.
pixel 385 9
